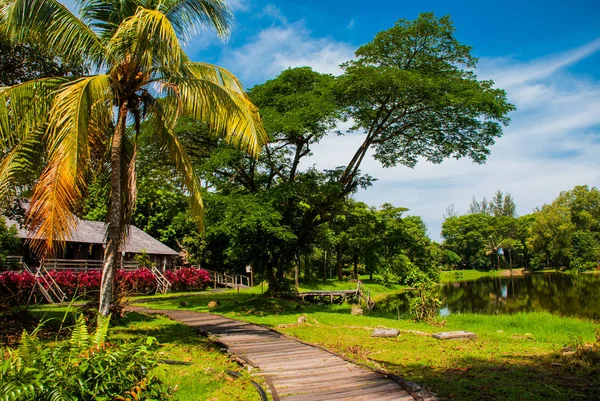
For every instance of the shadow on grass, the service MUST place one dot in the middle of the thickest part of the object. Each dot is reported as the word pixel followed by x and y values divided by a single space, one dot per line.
pixel 166 331
pixel 514 378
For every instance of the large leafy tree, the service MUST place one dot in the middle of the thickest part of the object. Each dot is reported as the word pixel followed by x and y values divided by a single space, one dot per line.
pixel 135 46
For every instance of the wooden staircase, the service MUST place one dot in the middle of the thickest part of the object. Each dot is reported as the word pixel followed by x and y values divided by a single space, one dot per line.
pixel 162 284
pixel 50 290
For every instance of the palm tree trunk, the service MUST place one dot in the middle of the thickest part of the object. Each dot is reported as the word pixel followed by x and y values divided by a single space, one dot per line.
pixel 112 255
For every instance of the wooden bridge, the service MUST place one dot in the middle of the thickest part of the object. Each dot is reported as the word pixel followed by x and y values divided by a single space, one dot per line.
pixel 360 294
pixel 226 280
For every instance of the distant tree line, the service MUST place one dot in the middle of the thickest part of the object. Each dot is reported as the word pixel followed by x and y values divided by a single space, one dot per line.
pixel 563 234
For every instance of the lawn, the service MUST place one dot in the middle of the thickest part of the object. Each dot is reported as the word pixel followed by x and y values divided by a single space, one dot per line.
pixel 514 357
pixel 206 376
pixel 466 275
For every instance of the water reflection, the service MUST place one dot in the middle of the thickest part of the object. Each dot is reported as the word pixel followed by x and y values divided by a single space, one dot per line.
pixel 562 294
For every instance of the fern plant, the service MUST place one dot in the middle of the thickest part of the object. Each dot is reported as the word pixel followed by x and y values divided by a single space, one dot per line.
pixel 84 367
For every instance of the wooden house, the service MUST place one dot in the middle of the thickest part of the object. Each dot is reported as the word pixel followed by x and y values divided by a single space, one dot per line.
pixel 86 243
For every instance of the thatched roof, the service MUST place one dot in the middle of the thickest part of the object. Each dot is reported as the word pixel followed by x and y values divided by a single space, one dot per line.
pixel 94 232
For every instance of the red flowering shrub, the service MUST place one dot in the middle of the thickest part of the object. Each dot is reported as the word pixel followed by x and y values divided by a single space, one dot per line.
pixel 139 281
pixel 67 280
pixel 89 281
pixel 187 279
pixel 15 287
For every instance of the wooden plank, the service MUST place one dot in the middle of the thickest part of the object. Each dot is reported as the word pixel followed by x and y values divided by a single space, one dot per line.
pixel 323 371
pixel 329 385
pixel 334 376
pixel 289 354
pixel 382 396
pixel 337 394
pixel 452 335
pixel 295 368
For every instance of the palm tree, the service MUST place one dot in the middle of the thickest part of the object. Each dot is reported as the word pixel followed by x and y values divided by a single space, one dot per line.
pixel 141 73
pixel 492 248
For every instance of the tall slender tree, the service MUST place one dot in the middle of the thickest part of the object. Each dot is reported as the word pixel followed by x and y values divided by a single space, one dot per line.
pixel 142 73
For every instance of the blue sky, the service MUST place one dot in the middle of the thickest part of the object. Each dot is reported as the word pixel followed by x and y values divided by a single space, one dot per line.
pixel 544 53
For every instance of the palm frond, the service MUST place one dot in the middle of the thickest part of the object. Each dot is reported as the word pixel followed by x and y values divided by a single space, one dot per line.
pixel 20 160
pixel 106 16
pixel 187 15
pixel 54 25
pixel 25 107
pixel 215 74
pixel 151 39
pixel 163 120
pixel 77 108
pixel 229 113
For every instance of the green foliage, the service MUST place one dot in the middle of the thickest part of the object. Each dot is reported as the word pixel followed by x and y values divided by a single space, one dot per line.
pixel 424 302
pixel 9 242
pixel 500 205
pixel 84 367
pixel 413 90
pixel 566 233
pixel 143 259
pixel 26 61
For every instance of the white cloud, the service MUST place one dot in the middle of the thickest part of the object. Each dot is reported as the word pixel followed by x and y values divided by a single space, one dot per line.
pixel 284 45
pixel 239 5
pixel 552 145
pixel 351 24
pixel 271 10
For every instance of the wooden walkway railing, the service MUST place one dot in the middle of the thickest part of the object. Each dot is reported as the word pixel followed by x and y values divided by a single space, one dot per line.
pixel 224 279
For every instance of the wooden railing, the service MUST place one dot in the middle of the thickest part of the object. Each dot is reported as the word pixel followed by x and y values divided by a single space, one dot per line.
pixel 83 264
pixel 233 281
pixel 50 290
pixel 162 284
pixel 364 294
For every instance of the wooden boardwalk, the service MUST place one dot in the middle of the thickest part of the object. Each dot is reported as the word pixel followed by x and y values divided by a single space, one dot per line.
pixel 294 370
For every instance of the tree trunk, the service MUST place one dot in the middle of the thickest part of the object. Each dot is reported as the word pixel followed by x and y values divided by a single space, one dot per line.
pixel 297 273
pixel 325 266
pixel 355 261
pixel 339 263
pixel 112 253
pixel 307 274
pixel 273 289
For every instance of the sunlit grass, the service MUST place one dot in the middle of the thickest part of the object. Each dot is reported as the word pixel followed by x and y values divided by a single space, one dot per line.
pixel 206 378
pixel 515 356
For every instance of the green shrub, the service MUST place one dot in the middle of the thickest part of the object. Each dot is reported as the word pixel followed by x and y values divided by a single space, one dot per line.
pixel 424 302
pixel 85 367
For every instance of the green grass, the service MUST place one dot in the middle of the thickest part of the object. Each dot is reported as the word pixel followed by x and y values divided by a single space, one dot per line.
pixel 514 357
pixel 205 379
pixel 374 285
pixel 466 275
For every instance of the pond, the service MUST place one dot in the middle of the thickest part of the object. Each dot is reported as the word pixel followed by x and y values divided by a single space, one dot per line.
pixel 558 293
